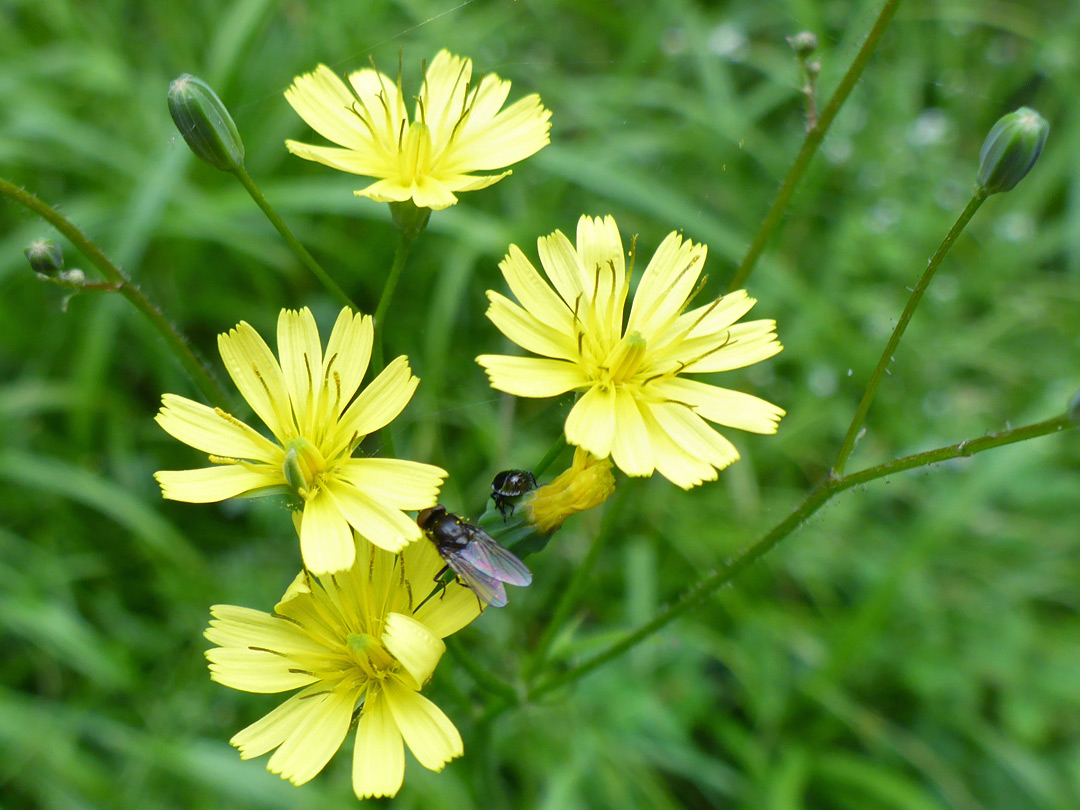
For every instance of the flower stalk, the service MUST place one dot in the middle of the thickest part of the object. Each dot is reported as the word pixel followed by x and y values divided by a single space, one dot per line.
pixel 901 326
pixel 814 136
pixel 176 342
pixel 817 498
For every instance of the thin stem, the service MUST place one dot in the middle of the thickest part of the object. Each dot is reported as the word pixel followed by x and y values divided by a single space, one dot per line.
pixel 549 457
pixel 898 332
pixel 179 345
pixel 401 255
pixel 814 137
pixel 572 592
pixel 294 244
pixel 814 501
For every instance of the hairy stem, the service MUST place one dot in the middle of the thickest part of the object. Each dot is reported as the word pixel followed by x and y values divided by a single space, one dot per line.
pixel 294 244
pixel 814 137
pixel 814 501
pixel 898 332
pixel 176 342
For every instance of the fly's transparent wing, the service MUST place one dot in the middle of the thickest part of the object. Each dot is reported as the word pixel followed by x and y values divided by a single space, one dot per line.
pixel 487 588
pixel 488 557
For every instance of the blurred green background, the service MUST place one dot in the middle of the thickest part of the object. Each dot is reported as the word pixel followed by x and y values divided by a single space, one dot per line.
pixel 916 645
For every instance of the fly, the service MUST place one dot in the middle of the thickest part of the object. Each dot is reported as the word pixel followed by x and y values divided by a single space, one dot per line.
pixel 480 563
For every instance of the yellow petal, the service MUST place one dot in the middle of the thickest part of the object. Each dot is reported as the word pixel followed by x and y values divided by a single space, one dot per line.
pixel 533 293
pixel 300 353
pixel 563 267
pixel 532 376
pixel 366 163
pixel 270 731
pixel 251 670
pixel 378 404
pixel 379 756
pixel 214 431
pixel 721 405
pixel 600 247
pixel 320 732
pixel 666 284
pixel 447 612
pixel 326 541
pixel 232 626
pixel 675 464
pixel 421 563
pixel 630 447
pixel 383 525
pixel 512 135
pixel 527 331
pixel 325 103
pixel 347 356
pixel 691 433
pixel 591 422
pixel 212 484
pixel 430 735
pixel 413 645
pixel 393 482
pixel 430 192
pixel 381 105
pixel 470 182
pixel 715 316
pixel 392 189
pixel 257 374
pixel 442 96
pixel 742 347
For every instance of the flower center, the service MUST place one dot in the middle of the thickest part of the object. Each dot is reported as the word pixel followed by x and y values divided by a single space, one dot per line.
pixel 625 359
pixel 369 655
pixel 303 467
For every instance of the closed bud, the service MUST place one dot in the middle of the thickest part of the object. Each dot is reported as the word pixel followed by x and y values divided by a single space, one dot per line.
pixel 1011 149
pixel 804 43
pixel 45 257
pixel 205 123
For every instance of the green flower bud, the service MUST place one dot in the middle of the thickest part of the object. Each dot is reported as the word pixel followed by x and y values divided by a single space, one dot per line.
pixel 45 257
pixel 1011 149
pixel 804 43
pixel 409 219
pixel 205 123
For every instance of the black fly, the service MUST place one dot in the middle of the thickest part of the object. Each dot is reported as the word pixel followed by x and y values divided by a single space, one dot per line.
pixel 509 485
pixel 480 563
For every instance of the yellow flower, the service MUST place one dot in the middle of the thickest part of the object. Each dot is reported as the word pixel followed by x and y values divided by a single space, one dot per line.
pixel 586 485
pixel 363 636
pixel 635 406
pixel 457 129
pixel 307 403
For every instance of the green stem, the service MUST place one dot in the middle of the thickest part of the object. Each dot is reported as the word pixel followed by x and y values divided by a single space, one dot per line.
pixel 401 255
pixel 898 332
pixel 814 137
pixel 572 592
pixel 814 501
pixel 294 244
pixel 179 345
pixel 550 456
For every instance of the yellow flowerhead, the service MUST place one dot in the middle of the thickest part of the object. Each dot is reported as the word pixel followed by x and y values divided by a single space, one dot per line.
pixel 457 129
pixel 635 405
pixel 586 485
pixel 307 403
pixel 363 636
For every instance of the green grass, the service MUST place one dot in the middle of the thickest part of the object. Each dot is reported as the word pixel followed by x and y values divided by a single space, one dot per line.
pixel 914 645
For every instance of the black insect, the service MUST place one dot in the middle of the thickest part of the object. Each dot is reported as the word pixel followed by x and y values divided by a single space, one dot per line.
pixel 508 485
pixel 480 563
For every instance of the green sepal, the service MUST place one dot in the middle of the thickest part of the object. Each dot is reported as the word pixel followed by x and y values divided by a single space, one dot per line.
pixel 205 123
